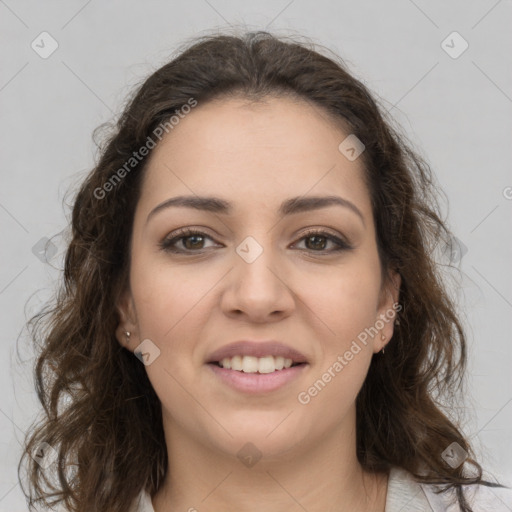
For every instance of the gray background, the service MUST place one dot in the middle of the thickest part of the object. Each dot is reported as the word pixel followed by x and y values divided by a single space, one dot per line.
pixel 456 111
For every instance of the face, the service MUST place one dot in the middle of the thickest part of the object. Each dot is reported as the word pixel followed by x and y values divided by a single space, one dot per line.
pixel 257 267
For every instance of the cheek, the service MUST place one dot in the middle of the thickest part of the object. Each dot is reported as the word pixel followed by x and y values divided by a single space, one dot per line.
pixel 172 306
pixel 349 307
pixel 346 299
pixel 167 297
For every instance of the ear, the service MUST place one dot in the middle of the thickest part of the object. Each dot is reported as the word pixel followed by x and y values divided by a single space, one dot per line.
pixel 388 309
pixel 127 322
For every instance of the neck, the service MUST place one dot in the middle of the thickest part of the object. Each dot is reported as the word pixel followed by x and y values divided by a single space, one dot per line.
pixel 323 475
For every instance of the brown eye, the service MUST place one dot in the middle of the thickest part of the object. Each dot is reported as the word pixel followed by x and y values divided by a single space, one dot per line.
pixel 185 241
pixel 318 241
pixel 195 241
pixel 190 241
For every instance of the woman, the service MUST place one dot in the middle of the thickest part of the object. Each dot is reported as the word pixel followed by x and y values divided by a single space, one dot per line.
pixel 261 240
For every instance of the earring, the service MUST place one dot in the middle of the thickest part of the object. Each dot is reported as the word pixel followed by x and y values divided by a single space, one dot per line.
pixel 383 337
pixel 128 334
pixel 397 319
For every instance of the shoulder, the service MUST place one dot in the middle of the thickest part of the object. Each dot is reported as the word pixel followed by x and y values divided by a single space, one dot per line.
pixel 404 490
pixel 481 498
pixel 405 493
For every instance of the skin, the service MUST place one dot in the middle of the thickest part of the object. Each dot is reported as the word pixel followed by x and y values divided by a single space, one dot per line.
pixel 257 155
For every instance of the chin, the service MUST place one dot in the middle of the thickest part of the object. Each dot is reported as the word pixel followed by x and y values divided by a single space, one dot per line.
pixel 260 434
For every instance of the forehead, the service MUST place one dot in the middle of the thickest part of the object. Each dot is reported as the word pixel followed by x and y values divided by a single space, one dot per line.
pixel 254 153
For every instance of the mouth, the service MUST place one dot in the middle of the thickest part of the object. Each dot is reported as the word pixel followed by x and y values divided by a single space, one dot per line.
pixel 255 382
pixel 261 365
pixel 256 367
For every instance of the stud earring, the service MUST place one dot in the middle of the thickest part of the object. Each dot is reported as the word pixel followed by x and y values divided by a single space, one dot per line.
pixel 127 334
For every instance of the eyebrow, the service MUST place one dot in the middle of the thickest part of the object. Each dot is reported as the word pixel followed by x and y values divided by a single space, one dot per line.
pixel 288 207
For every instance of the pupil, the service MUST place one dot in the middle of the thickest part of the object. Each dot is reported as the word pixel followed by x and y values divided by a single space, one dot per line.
pixel 317 238
pixel 193 237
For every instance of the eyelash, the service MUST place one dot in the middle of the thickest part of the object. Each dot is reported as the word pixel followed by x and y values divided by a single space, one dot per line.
pixel 167 244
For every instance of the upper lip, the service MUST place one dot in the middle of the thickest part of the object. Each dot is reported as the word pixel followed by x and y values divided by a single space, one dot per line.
pixel 256 349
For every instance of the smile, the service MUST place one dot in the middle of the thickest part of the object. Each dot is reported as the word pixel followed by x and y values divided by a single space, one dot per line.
pixel 251 364
pixel 277 373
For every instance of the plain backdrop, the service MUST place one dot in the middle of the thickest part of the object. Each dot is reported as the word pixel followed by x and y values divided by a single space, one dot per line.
pixel 454 103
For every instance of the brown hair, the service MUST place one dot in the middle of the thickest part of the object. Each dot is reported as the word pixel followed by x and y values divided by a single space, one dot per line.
pixel 108 433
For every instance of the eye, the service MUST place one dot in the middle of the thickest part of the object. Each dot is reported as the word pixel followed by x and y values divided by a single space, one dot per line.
pixel 192 240
pixel 320 239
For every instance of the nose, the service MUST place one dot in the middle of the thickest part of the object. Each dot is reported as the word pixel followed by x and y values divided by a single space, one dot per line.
pixel 258 290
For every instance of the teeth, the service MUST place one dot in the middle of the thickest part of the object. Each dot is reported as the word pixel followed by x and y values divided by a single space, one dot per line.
pixel 251 364
pixel 279 362
pixel 266 364
pixel 236 363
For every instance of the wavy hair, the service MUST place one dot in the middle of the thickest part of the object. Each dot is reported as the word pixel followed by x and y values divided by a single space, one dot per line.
pixel 101 414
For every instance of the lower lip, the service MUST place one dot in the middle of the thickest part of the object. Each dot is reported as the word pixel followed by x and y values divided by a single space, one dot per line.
pixel 257 382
